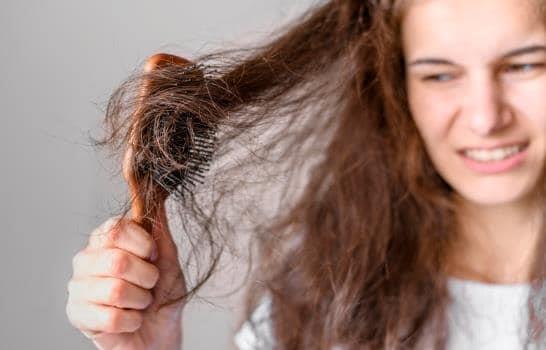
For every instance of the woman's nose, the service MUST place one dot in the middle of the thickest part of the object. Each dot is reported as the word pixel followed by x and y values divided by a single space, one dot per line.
pixel 485 109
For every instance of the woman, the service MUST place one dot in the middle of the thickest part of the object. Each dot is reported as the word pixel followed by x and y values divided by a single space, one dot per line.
pixel 420 226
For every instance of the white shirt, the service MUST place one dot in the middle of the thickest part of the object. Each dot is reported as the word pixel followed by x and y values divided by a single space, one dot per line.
pixel 482 316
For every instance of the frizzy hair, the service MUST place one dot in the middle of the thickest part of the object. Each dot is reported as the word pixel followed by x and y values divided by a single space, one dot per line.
pixel 357 256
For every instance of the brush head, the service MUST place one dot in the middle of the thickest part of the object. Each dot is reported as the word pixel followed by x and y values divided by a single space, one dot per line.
pixel 176 166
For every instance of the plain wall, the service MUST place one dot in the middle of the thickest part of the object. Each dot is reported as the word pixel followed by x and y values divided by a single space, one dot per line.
pixel 60 60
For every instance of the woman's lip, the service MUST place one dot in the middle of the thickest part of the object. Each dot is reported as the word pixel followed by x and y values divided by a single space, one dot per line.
pixel 496 166
pixel 524 145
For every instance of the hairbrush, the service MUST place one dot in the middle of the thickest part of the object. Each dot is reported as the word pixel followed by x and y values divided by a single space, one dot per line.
pixel 193 145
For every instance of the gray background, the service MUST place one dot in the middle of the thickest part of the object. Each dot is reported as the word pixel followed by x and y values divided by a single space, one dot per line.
pixel 59 60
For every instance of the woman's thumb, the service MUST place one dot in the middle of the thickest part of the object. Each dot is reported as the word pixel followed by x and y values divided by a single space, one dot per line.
pixel 171 284
pixel 161 234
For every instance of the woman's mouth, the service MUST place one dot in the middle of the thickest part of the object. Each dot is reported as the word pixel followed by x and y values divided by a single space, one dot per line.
pixel 495 160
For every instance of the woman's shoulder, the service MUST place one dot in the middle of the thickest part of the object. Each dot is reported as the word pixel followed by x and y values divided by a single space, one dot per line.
pixel 257 333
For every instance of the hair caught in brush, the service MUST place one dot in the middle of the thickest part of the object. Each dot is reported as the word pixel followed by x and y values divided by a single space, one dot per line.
pixel 316 159
pixel 175 167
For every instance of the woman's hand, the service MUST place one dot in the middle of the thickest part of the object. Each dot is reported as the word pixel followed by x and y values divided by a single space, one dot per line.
pixel 117 286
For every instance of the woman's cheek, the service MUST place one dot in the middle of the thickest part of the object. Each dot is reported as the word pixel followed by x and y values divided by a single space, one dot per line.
pixel 537 103
pixel 528 100
pixel 433 107
pixel 435 117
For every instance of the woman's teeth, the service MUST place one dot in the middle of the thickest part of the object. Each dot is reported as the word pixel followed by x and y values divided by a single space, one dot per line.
pixel 496 154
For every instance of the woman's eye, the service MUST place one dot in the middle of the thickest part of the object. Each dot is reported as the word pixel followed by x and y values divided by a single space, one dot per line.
pixel 437 77
pixel 522 68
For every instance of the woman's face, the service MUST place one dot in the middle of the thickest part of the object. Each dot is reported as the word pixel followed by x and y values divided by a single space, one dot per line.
pixel 476 82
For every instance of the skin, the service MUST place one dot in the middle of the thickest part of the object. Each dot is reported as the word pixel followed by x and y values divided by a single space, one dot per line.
pixel 117 286
pixel 479 99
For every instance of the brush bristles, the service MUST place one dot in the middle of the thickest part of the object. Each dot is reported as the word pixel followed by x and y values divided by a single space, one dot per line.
pixel 195 157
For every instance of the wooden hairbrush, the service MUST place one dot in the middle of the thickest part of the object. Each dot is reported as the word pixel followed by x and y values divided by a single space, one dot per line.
pixel 193 142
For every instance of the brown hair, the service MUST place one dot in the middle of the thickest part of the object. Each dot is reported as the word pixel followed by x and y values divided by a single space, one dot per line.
pixel 356 255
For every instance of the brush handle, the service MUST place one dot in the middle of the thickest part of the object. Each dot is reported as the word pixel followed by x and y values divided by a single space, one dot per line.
pixel 137 203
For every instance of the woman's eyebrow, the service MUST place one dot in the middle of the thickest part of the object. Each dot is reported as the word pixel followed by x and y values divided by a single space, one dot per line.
pixel 524 50
pixel 509 54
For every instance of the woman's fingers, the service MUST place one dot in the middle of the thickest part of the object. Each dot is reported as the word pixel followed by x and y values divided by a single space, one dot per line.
pixel 100 318
pixel 124 234
pixel 117 263
pixel 109 292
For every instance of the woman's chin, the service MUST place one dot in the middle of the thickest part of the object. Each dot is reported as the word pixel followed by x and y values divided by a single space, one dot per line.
pixel 494 195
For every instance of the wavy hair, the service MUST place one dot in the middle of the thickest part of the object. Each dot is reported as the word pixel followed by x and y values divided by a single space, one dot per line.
pixel 319 160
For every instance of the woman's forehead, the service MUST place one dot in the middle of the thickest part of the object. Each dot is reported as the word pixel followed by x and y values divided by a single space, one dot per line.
pixel 485 26
pixel 499 10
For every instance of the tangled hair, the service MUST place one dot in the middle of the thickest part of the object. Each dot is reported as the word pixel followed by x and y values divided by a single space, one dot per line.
pixel 355 254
